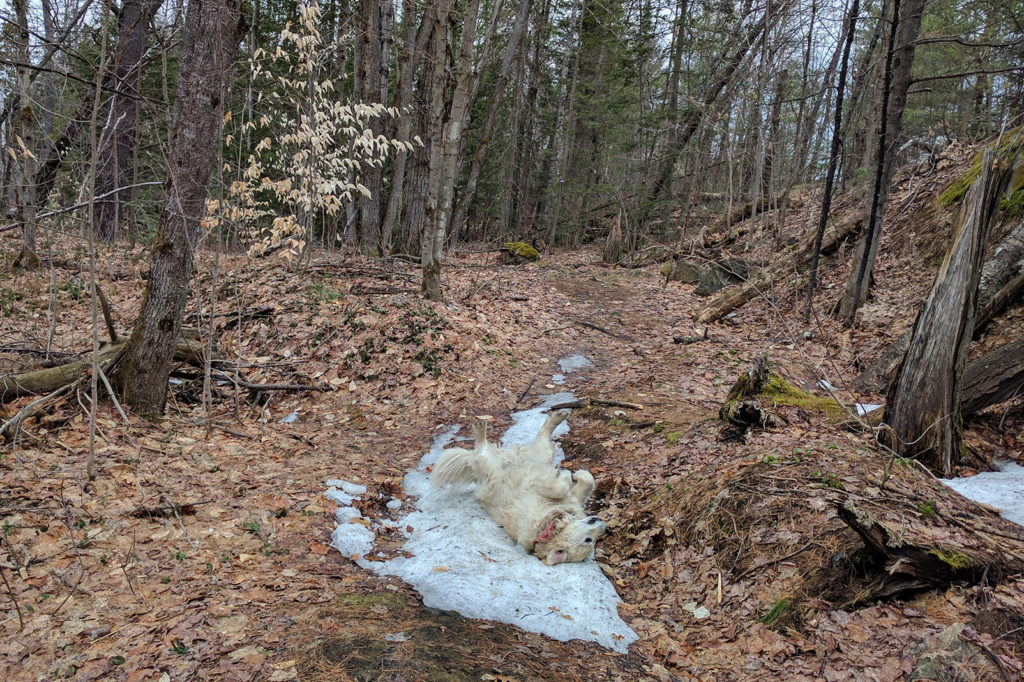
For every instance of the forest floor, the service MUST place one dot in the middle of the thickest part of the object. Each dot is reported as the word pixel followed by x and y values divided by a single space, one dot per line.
pixel 103 579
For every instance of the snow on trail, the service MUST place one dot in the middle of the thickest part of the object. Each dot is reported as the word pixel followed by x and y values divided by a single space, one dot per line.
pixel 462 561
pixel 1003 489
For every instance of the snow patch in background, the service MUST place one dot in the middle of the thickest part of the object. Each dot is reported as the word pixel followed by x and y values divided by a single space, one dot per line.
pixel 1003 489
pixel 574 363
pixel 864 408
pixel 463 561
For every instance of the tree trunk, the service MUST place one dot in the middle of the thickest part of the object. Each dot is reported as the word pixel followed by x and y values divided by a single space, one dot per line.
pixel 25 207
pixel 923 403
pixel 514 46
pixel 894 99
pixel 449 143
pixel 118 140
pixel 833 157
pixel 213 29
pixel 993 378
pixel 373 41
pixel 432 239
pixel 414 42
pixel 1002 282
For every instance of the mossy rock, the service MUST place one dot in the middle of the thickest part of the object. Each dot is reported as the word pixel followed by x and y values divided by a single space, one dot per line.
pixel 681 271
pixel 721 275
pixel 519 252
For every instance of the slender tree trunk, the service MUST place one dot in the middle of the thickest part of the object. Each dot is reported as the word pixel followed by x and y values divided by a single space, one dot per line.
pixel 922 409
pixel 212 32
pixel 833 157
pixel 432 239
pixel 25 208
pixel 897 83
pixel 514 47
pixel 118 139
pixel 449 144
pixel 414 42
pixel 374 19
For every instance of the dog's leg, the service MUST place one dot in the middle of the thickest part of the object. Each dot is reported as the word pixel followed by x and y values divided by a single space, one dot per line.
pixel 555 488
pixel 550 424
pixel 480 434
pixel 583 485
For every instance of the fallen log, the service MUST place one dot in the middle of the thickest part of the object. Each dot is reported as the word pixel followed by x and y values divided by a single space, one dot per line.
pixel 923 539
pixel 43 381
pixel 734 297
pixel 993 378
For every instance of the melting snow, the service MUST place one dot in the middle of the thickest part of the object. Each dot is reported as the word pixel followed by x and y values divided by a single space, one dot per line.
pixel 574 363
pixel 1003 489
pixel 463 561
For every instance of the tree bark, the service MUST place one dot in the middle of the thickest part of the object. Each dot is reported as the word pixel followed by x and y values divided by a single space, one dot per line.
pixel 1002 282
pixel 907 16
pixel 25 207
pixel 212 32
pixel 993 378
pixel 923 403
pixel 118 140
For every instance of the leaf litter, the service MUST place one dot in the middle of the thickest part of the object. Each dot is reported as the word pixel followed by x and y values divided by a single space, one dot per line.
pixel 728 558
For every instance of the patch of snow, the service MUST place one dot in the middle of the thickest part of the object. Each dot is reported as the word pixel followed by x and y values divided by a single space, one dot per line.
pixel 461 560
pixel 558 378
pixel 349 491
pixel 864 408
pixel 1003 489
pixel 574 363
pixel 394 504
pixel 528 423
pixel 353 540
pixel 346 514
pixel 289 418
pixel 825 385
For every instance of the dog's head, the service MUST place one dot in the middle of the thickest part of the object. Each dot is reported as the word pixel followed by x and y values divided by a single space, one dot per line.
pixel 571 539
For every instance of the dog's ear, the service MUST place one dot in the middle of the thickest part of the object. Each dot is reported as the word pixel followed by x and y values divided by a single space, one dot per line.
pixel 556 557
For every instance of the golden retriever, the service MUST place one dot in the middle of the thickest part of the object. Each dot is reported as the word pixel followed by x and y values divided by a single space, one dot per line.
pixel 538 505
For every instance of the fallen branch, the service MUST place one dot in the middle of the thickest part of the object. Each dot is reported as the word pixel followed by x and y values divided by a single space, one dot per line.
pixel 736 296
pixel 616 403
pixel 591 325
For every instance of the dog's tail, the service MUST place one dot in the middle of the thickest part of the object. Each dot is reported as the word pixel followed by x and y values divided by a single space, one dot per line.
pixel 454 467
pixel 459 466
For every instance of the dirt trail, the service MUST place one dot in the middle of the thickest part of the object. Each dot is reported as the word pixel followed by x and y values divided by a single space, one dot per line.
pixel 709 538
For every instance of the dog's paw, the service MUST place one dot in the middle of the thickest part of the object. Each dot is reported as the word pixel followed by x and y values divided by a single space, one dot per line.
pixel 583 476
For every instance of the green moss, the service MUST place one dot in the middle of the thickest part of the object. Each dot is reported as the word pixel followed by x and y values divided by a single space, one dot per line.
pixel 1014 206
pixel 521 249
pixel 1012 143
pixel 958 561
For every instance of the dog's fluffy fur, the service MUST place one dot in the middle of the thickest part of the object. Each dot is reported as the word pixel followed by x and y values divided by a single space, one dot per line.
pixel 538 505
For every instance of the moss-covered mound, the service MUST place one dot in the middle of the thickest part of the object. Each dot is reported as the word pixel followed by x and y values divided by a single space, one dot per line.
pixel 520 251
pixel 1010 146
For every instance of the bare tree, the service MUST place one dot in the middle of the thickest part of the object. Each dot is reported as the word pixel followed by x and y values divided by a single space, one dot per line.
pixel 900 59
pixel 118 139
pixel 212 32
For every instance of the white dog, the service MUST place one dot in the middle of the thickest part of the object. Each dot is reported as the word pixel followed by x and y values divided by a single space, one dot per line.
pixel 539 506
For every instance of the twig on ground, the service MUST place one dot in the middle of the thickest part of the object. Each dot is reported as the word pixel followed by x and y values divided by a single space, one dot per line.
pixel 17 607
pixel 525 391
pixel 591 325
